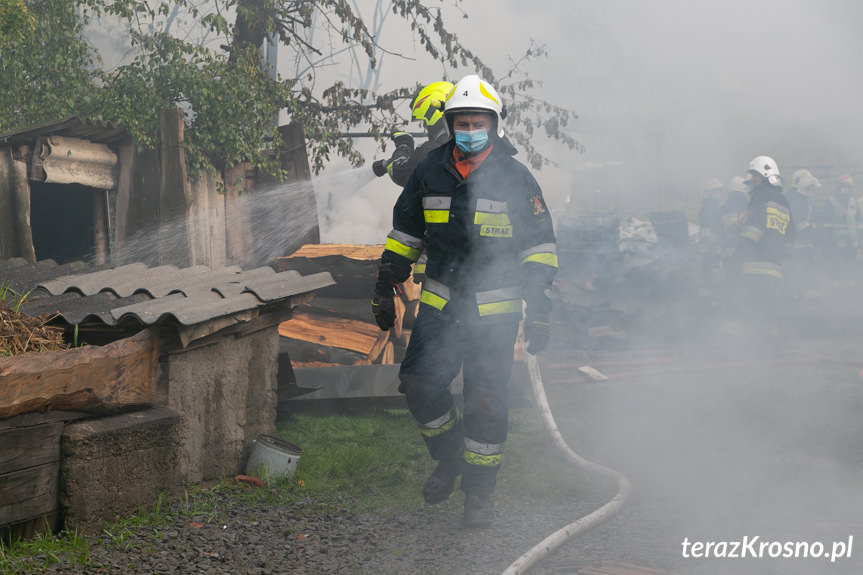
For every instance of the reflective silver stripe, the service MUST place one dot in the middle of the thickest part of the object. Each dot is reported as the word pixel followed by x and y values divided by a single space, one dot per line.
pixel 496 295
pixel 423 260
pixel 540 249
pixel 436 202
pixel 406 239
pixel 436 288
pixel 483 448
pixel 440 421
pixel 491 206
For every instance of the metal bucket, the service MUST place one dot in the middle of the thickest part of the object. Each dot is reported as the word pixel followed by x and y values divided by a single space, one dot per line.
pixel 272 458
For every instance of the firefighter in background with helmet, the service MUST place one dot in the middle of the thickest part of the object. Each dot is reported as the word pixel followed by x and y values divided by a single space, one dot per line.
pixel 481 218
pixel 846 217
pixel 803 264
pixel 427 109
pixel 731 211
pixel 710 228
pixel 765 235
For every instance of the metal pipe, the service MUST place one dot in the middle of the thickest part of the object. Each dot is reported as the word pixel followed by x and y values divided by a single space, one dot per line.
pixel 553 541
pixel 367 135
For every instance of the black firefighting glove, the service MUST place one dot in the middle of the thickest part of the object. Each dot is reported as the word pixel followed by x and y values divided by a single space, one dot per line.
pixel 404 148
pixel 537 333
pixel 383 306
pixel 384 310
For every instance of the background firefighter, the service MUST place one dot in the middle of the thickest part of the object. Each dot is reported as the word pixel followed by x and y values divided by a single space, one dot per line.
pixel 427 110
pixel 481 218
pixel 765 234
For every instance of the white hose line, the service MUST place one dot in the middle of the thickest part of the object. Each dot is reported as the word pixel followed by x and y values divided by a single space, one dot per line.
pixel 553 541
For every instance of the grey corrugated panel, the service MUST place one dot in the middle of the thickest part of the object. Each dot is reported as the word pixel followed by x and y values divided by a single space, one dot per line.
pixel 76 309
pixel 242 281
pixel 163 284
pixel 206 282
pixel 189 295
pixel 93 283
pixel 286 284
pixel 187 310
pixel 24 277
pixel 74 127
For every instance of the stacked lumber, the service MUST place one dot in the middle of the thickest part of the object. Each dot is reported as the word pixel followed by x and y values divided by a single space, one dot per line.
pixel 337 327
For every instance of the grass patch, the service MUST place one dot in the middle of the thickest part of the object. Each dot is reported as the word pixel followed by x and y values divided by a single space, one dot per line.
pixel 371 462
pixel 375 460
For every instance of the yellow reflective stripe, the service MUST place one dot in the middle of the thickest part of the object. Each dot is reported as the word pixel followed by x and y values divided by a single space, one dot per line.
pixel 482 460
pixel 500 307
pixel 485 218
pixel 401 249
pixel 751 232
pixel 419 268
pixel 546 258
pixel 432 299
pixel 762 269
pixel 436 216
pixel 439 425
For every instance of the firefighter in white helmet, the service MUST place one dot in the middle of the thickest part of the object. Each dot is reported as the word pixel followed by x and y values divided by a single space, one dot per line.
pixel 845 222
pixel 765 235
pixel 481 218
pixel 710 228
pixel 803 266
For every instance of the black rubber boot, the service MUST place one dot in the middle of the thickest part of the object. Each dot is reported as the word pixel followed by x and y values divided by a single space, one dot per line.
pixel 478 511
pixel 438 487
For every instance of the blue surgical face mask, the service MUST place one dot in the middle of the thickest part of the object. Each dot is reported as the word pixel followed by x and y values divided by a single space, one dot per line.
pixel 471 141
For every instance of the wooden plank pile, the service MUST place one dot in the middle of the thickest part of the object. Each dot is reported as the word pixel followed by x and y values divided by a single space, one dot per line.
pixel 337 328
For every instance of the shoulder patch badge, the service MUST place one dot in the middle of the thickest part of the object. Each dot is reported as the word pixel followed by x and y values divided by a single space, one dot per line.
pixel 538 205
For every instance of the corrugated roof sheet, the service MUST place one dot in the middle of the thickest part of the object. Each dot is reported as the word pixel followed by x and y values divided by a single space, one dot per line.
pixel 74 127
pixel 144 295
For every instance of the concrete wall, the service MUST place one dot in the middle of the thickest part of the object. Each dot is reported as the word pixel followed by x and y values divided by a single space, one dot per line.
pixel 113 465
pixel 226 392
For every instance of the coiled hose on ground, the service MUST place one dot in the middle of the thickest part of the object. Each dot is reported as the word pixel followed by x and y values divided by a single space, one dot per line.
pixel 553 541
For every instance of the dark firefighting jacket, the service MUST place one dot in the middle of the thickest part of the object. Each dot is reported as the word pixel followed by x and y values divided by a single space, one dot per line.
pixel 488 238
pixel 766 232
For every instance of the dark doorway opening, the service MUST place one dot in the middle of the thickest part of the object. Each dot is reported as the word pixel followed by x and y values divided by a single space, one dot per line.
pixel 65 221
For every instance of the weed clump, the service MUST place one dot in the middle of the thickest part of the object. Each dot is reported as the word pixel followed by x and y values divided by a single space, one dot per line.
pixel 20 333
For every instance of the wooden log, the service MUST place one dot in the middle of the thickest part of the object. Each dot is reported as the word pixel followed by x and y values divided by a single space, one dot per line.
pixel 380 343
pixel 29 493
pixel 388 355
pixel 93 379
pixel 302 352
pixel 332 332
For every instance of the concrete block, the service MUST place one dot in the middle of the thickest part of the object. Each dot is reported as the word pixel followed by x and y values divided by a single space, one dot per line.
pixel 112 465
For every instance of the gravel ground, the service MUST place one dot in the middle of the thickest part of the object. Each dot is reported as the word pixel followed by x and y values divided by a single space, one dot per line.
pixel 718 448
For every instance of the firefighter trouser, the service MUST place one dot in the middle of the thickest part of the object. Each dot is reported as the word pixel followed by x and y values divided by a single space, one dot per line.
pixel 756 301
pixel 438 348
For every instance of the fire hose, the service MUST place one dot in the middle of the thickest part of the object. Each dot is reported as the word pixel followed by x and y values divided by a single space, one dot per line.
pixel 556 539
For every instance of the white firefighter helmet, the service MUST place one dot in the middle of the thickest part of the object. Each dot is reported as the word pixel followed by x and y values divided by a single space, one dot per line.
pixel 472 93
pixel 737 184
pixel 766 167
pixel 808 185
pixel 798 176
pixel 713 186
